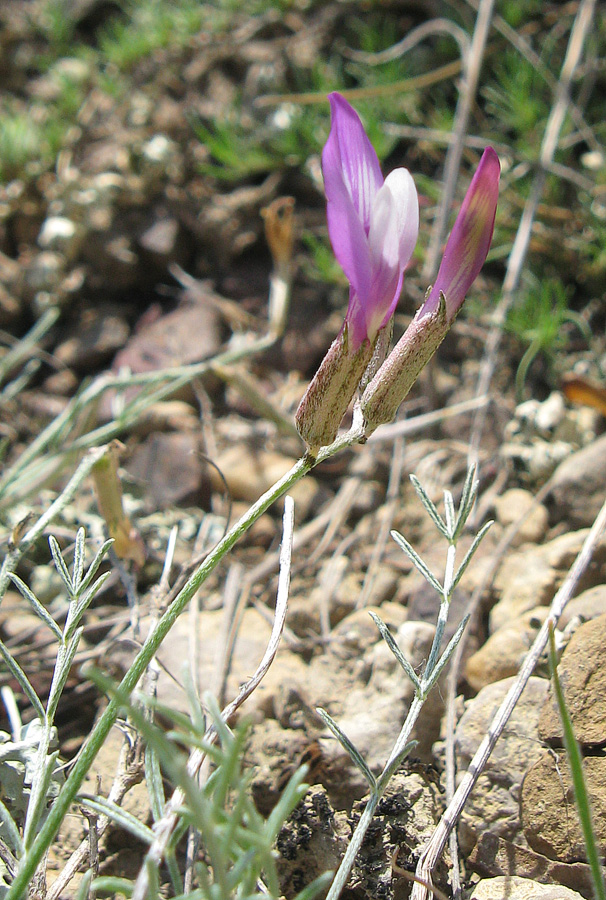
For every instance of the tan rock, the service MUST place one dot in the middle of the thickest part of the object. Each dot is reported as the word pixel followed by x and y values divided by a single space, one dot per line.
pixel 530 577
pixel 493 804
pixel 512 887
pixel 495 856
pixel 583 677
pixel 249 472
pixel 515 503
pixel 578 484
pixel 504 651
pixel 548 808
pixel 588 605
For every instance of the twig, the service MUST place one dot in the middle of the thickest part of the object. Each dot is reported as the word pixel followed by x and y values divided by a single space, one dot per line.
pixel 442 73
pixel 435 846
pixel 522 240
pixel 472 63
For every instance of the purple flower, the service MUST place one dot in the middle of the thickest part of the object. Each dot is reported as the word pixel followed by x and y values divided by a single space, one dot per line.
pixel 470 238
pixel 373 222
pixel 466 251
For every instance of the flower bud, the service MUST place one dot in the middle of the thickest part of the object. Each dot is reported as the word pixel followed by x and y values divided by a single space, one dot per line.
pixel 330 391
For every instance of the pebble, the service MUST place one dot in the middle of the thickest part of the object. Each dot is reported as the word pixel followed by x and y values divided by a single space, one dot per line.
pixel 530 577
pixel 170 467
pixel 588 605
pixel 504 651
pixel 517 502
pixel 512 887
pixel 577 492
pixel 188 334
pixel 250 471
pixel 495 856
pixel 61 234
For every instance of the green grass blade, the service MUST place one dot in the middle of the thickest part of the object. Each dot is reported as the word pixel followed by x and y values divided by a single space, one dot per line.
pixel 575 762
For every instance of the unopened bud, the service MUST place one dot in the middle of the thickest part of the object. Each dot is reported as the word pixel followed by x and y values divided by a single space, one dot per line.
pixel 330 392
pixel 393 381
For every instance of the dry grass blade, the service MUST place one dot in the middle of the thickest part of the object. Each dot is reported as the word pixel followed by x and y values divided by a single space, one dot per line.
pixel 472 64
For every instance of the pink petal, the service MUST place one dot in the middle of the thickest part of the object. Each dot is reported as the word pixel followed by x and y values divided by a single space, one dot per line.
pixel 348 237
pixel 470 238
pixel 352 156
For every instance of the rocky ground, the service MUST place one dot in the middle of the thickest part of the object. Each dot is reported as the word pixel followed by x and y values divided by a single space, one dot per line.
pixel 133 231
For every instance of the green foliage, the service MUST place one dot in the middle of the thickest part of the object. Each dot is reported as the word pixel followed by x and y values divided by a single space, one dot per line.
pixel 20 140
pixel 518 101
pixel 321 264
pixel 147 26
pixel 237 843
pixel 538 321
pixel 57 24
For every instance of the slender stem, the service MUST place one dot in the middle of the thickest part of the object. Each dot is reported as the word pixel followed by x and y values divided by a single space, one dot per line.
pixel 97 737
pixel 354 845
pixel 359 834
pixel 413 714
pixel 443 614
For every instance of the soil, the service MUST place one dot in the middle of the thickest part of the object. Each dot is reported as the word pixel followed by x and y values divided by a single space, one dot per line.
pixel 155 254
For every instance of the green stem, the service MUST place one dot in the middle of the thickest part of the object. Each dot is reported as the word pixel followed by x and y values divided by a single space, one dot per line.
pixel 97 737
pixel 344 870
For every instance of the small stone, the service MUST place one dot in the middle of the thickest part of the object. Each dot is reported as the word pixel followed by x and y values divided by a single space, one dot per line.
pixel 171 467
pixel 512 887
pixel 159 149
pixel 188 334
pixel 515 503
pixel 495 856
pixel 161 237
pixel 505 650
pixel 550 414
pixel 61 234
pixel 577 491
pixel 250 471
pixel 530 577
pixel 588 605
pixel 211 629
pixel 583 677
pixel 548 808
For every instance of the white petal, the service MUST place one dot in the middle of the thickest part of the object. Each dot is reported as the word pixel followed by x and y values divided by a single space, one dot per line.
pixel 383 236
pixel 406 206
